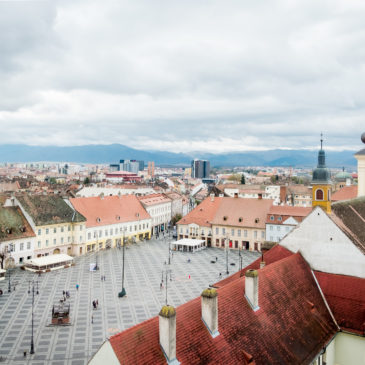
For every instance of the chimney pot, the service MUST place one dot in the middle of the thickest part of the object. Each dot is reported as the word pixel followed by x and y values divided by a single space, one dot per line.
pixel 167 333
pixel 252 288
pixel 209 303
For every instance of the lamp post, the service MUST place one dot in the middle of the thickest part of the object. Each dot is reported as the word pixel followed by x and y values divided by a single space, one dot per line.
pixel 97 251
pixel 122 293
pixel 168 238
pixel 37 292
pixel 239 259
pixel 9 287
pixel 226 247
pixel 166 272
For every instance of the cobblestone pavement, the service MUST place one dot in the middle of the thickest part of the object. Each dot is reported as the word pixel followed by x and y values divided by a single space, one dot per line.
pixel 75 344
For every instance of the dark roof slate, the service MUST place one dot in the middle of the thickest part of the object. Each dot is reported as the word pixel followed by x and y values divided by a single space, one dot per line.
pixel 349 215
pixel 49 209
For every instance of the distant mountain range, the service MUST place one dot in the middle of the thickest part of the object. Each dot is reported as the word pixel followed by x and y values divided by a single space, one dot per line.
pixel 107 154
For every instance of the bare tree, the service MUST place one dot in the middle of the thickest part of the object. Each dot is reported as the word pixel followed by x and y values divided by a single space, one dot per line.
pixel 3 256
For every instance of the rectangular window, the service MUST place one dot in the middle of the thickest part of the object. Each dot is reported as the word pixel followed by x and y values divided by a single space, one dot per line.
pixel 69 228
pixel 28 245
pixel 54 241
pixel 39 232
pixel 47 230
pixel 46 242
pixel 232 232
pixel 61 239
pixel 111 231
pixel 116 230
pixel 255 234
pixel 135 228
pixel 21 248
pixel 130 228
pixel 80 228
pixel 278 228
pixel 100 233
pixel 39 244
pixel 106 232
pixel 62 229
pixel 54 230
pixel 69 239
pixel 262 234
pixel 80 239
pixel 223 231
pixel 20 260
pixel 144 226
pixel 245 232
pixel 89 235
pixel 271 228
pixel 239 233
pixel 139 227
pixel 216 230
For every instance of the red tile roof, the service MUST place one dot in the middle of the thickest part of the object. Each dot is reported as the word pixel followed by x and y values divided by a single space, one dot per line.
pixel 154 199
pixel 291 326
pixel 203 214
pixel 110 209
pixel 345 193
pixel 285 212
pixel 346 297
pixel 252 212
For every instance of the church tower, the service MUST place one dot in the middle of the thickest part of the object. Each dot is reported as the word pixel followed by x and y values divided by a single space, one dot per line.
pixel 321 183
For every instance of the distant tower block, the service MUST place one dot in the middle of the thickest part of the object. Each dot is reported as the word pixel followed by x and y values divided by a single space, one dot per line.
pixel 360 157
pixel 151 168
pixel 321 183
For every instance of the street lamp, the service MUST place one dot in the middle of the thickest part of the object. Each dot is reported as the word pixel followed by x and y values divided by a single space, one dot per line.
pixel 9 287
pixel 97 251
pixel 226 247
pixel 122 293
pixel 37 292
pixel 167 272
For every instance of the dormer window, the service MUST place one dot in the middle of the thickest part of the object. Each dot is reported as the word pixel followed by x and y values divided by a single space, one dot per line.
pixel 118 218
pixel 98 220
pixel 279 219
pixel 225 218
pixel 272 218
pixel 257 220
pixel 240 219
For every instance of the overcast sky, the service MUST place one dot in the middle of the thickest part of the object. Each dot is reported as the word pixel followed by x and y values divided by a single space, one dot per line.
pixel 183 75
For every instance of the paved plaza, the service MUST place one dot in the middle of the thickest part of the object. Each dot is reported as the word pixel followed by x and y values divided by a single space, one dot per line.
pixel 75 344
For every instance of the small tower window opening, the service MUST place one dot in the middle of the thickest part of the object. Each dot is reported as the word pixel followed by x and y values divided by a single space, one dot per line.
pixel 319 194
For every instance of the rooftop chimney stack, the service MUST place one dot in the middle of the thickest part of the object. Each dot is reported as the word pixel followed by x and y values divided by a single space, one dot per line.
pixel 167 329
pixel 210 310
pixel 252 288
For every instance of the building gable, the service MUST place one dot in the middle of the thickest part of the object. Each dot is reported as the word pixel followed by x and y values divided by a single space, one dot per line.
pixel 325 246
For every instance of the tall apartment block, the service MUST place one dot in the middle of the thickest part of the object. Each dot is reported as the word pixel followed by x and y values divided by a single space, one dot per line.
pixel 200 169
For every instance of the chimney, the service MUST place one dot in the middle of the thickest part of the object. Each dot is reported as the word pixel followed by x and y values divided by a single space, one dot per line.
pixel 212 197
pixel 262 262
pixel 236 195
pixel 252 288
pixel 210 310
pixel 167 329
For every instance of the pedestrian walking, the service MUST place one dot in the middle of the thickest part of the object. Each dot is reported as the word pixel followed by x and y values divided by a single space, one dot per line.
pixel 216 258
pixel 63 293
pixel 94 304
pixel 77 286
pixel 92 318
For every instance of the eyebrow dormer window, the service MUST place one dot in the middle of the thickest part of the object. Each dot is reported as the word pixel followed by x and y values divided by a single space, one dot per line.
pixel 240 219
pixel 98 220
pixel 225 218
pixel 272 218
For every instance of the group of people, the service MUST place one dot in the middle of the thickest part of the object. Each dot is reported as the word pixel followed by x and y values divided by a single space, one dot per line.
pixel 103 278
pixel 65 295
pixel 95 304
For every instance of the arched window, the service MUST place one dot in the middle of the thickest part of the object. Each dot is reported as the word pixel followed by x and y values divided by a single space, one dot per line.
pixel 319 194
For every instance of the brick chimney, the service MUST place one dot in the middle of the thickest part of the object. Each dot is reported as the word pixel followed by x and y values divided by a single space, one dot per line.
pixel 252 288
pixel 209 303
pixel 167 332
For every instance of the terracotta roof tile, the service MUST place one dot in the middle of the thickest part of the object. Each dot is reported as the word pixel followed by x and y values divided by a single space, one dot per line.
pixel 243 212
pixel 292 331
pixel 204 213
pixel 110 209
pixel 346 297
pixel 345 193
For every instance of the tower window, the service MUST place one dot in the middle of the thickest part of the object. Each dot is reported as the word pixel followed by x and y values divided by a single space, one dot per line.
pixel 319 194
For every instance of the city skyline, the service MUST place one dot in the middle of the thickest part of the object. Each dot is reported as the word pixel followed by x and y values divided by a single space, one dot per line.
pixel 183 77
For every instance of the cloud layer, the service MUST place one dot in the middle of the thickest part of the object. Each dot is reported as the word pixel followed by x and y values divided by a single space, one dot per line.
pixel 183 75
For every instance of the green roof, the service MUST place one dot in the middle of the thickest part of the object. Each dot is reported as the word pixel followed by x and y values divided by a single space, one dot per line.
pixel 49 209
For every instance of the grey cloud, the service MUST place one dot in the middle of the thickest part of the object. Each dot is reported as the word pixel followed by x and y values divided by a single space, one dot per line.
pixel 157 74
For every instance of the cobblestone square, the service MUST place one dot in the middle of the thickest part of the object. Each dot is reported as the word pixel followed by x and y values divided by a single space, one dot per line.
pixel 76 343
